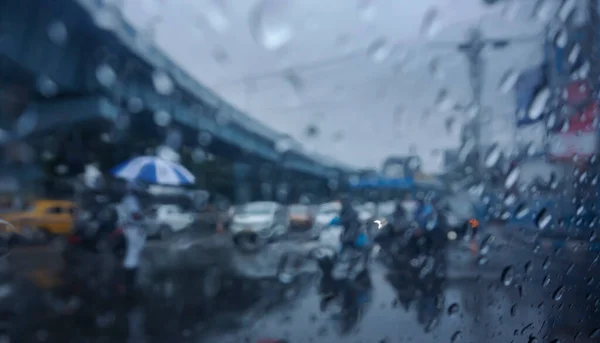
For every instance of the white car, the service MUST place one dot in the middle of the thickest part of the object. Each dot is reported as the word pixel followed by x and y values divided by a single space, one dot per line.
pixel 324 216
pixel 167 219
pixel 266 219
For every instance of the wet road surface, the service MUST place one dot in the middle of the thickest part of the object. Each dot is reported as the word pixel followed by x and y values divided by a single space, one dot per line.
pixel 519 290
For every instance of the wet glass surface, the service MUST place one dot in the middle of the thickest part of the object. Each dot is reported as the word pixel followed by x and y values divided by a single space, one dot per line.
pixel 299 171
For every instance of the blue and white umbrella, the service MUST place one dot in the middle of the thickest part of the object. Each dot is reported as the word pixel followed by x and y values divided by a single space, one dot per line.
pixel 155 170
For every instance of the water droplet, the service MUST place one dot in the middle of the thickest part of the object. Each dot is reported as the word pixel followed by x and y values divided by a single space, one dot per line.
pixel 57 32
pixel 220 55
pixel 271 24
pixel 528 267
pixel 367 10
pixel 508 81
pixel 493 156
pixel 431 23
pixel 135 105
pixel 216 15
pixel 543 219
pixel 379 50
pixel 46 86
pixel 162 118
pixel 538 105
pixel 543 10
pixel 162 82
pixel 26 123
pixel 562 38
pixel 292 77
pixel 558 293
pixel 107 17
pixel 508 275
pixel 566 9
pixel 595 333
pixel 312 131
pixel 512 177
pixel 457 336
pixel 453 309
pixel 546 281
pixel 284 144
pixel 198 155
pixel 443 101
pixel 574 54
pixel 204 138
pixel 106 75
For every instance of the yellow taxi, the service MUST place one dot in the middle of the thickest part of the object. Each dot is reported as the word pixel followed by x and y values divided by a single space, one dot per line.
pixel 54 217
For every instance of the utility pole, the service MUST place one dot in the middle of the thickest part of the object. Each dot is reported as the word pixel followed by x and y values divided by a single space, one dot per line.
pixel 472 50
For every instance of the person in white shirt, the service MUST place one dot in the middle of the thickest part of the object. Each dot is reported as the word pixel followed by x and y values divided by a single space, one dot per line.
pixel 134 232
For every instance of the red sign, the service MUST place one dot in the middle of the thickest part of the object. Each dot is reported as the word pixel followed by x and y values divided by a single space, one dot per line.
pixel 577 92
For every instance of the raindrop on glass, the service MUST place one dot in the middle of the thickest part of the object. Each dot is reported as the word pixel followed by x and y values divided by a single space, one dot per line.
pixel 566 9
pixel 284 144
pixel 46 86
pixel 204 138
pixel 508 275
pixel 135 105
pixel 493 156
pixel 538 105
pixel 508 81
pixel 512 177
pixel 198 155
pixel 431 23
pixel 453 309
pixel 57 32
pixel 543 219
pixel 162 118
pixel 294 80
pixel 574 54
pixel 456 337
pixel 271 24
pixel 367 10
pixel 106 75
pixel 558 293
pixel 107 17
pixel 162 82
pixel 546 281
pixel 216 14
pixel 220 55
pixel 26 123
pixel 562 38
pixel 379 50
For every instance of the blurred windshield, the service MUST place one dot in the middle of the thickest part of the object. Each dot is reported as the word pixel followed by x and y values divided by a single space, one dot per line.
pixel 252 120
pixel 256 208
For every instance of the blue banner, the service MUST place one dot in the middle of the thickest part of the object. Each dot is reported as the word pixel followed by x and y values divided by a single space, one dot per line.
pixel 529 82
pixel 383 183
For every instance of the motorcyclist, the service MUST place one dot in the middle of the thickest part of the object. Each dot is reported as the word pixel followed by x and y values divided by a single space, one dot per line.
pixel 350 223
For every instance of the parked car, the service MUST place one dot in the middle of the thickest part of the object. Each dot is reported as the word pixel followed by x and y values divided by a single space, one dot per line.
pixel 164 220
pixel 321 230
pixel 300 217
pixel 257 223
pixel 44 217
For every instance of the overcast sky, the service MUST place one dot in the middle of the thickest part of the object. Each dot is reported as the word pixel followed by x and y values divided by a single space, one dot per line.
pixel 366 106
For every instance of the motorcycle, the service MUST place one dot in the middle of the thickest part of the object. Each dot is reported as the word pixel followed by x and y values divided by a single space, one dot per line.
pixel 345 262
pixel 348 299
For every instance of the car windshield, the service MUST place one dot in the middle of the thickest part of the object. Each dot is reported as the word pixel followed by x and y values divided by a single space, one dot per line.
pixel 298 210
pixel 258 208
pixel 287 109
pixel 330 209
